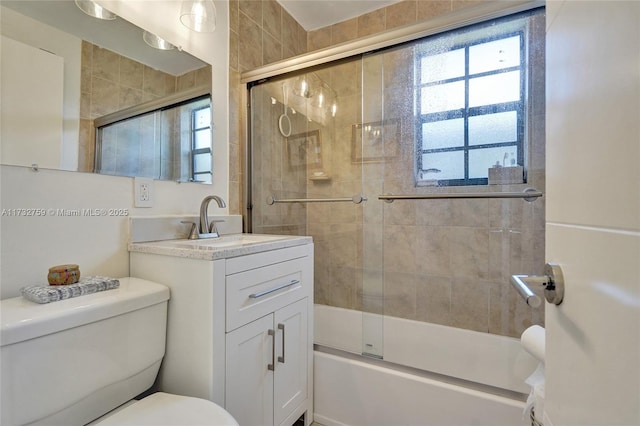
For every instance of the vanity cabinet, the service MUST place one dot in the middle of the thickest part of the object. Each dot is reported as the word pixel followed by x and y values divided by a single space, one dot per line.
pixel 239 331
pixel 267 360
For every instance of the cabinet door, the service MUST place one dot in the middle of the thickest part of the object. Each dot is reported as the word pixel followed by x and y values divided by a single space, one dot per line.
pixel 249 382
pixel 290 387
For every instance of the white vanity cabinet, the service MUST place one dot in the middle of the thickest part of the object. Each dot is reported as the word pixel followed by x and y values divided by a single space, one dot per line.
pixel 239 330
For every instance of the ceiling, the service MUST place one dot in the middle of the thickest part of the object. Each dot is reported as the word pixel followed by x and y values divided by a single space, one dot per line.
pixel 314 14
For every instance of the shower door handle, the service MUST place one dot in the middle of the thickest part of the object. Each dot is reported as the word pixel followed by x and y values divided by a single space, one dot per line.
pixel 552 281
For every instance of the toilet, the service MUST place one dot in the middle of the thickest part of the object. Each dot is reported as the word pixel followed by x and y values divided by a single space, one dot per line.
pixel 84 360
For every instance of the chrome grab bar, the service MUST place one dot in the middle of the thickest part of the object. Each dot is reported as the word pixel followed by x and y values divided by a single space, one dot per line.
pixel 356 199
pixel 529 194
pixel 271 290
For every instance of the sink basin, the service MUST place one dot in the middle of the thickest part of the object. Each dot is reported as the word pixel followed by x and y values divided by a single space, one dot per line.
pixel 228 241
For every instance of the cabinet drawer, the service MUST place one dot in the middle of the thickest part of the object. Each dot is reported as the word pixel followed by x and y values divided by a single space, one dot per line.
pixel 258 292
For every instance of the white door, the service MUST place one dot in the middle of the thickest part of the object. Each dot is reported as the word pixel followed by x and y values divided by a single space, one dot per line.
pixel 593 212
pixel 32 102
pixel 290 381
pixel 249 383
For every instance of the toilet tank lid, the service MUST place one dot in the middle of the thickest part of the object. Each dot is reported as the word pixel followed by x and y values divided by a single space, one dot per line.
pixel 21 319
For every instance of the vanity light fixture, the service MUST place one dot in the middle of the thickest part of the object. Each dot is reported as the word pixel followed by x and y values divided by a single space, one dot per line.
pixel 198 15
pixel 156 42
pixel 92 8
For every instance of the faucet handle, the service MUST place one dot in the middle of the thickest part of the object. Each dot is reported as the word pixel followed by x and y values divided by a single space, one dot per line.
pixel 212 226
pixel 193 233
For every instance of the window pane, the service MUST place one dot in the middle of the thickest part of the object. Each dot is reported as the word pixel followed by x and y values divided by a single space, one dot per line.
pixel 481 159
pixel 203 118
pixel 443 66
pixel 450 164
pixel 203 139
pixel 202 163
pixel 442 97
pixel 443 134
pixel 494 89
pixel 494 55
pixel 493 128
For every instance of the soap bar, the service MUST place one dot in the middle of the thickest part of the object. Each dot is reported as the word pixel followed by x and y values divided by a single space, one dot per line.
pixel 63 274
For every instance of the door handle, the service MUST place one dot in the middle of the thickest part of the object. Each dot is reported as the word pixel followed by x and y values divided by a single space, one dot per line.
pixel 552 281
pixel 281 358
pixel 271 366
pixel 273 290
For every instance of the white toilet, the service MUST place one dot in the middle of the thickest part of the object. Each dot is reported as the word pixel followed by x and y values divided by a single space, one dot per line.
pixel 86 358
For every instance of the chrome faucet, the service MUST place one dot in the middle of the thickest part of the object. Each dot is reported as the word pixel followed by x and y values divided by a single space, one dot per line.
pixel 205 227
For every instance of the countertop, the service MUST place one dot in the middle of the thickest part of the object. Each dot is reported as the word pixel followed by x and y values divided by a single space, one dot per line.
pixel 224 247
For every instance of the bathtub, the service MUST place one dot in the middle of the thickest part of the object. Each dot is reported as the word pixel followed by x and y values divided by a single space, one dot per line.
pixel 431 374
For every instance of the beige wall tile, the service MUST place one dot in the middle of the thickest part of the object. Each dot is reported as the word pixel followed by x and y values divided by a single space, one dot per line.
pixel 252 9
pixel 234 54
pixel 319 39
pixel 461 4
pixel 427 9
pixel 131 73
pixel 344 31
pixel 290 35
pixel 433 251
pixel 469 252
pixel 399 248
pixel 470 304
pixel 400 294
pixel 402 13
pixel 106 64
pixel 105 97
pixel 250 43
pixel 272 18
pixel 234 10
pixel 271 49
pixel 371 23
pixel 433 299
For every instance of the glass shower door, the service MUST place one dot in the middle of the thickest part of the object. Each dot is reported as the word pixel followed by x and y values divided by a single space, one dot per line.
pixel 307 180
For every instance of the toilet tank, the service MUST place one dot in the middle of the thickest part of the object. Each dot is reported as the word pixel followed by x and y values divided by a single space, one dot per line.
pixel 69 362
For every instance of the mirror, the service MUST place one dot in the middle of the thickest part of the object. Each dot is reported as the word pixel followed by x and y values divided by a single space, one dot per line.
pixel 78 69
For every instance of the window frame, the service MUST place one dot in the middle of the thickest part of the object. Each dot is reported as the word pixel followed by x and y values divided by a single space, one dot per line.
pixel 200 151
pixel 520 107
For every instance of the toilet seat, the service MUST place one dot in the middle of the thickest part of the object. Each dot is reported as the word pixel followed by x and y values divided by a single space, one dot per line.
pixel 171 410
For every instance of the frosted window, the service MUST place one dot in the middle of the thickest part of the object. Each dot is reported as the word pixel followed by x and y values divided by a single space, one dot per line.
pixel 443 134
pixel 443 97
pixel 443 66
pixel 493 128
pixel 443 165
pixel 494 89
pixel 495 55
pixel 471 102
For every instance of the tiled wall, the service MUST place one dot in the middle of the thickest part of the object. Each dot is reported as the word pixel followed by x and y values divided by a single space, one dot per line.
pixel 111 82
pixel 441 261
pixel 261 32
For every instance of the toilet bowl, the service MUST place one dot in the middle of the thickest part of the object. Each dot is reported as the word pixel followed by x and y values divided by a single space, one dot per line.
pixel 85 359
pixel 167 409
